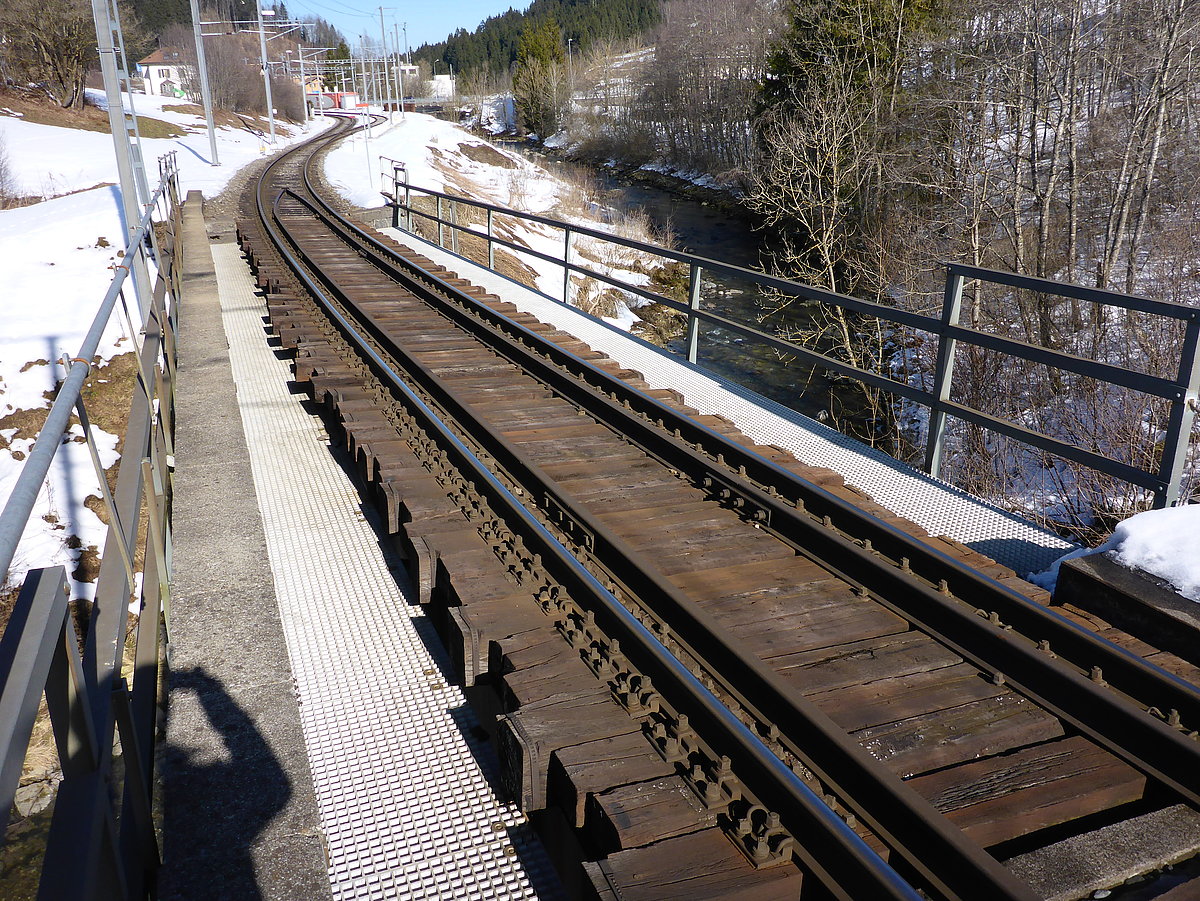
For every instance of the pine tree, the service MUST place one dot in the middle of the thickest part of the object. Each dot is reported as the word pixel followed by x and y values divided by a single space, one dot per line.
pixel 538 80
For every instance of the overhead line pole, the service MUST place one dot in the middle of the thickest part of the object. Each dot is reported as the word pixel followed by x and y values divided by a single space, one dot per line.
pixel 125 143
pixel 262 47
pixel 205 92
pixel 399 69
pixel 383 49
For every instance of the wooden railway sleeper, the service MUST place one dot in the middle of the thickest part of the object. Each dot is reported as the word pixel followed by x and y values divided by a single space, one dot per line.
pixel 701 787
pixel 752 827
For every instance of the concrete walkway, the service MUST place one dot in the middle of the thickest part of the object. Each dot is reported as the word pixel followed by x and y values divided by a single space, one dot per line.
pixel 240 817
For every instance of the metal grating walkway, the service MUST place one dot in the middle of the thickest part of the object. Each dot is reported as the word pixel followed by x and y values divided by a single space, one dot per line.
pixel 400 780
pixel 939 508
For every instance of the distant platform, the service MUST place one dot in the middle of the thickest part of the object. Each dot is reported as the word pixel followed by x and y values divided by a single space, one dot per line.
pixel 939 508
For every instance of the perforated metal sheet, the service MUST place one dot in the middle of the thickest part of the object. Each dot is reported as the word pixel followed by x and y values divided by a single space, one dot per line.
pixel 400 779
pixel 937 507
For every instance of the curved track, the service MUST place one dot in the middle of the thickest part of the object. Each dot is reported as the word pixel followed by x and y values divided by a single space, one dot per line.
pixel 854 707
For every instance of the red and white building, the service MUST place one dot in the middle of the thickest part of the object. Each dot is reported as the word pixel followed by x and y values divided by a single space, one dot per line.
pixel 163 72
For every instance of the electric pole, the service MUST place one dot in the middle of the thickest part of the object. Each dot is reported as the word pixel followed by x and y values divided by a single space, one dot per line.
pixel 205 93
pixel 383 49
pixel 262 47
pixel 399 70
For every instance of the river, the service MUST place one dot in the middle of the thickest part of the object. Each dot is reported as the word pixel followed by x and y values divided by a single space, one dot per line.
pixel 709 231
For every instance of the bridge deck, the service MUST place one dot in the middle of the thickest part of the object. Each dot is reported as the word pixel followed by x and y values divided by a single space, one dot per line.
pixel 391 778
pixel 930 503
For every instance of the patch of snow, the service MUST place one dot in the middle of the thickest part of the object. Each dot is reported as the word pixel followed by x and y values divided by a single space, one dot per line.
pixel 1159 542
pixel 624 319
pixel 498 114
pixel 49 162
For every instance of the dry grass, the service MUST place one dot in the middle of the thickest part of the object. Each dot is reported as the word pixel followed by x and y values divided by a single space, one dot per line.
pixel 41 757
pixel 8 599
pixel 221 118
pixel 28 424
pixel 39 109
pixel 486 154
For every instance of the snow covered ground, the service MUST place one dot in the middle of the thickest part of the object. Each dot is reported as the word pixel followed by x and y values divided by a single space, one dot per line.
pixel 444 157
pixel 57 258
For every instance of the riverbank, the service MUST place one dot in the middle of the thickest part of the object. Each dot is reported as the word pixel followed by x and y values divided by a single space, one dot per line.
pixel 722 199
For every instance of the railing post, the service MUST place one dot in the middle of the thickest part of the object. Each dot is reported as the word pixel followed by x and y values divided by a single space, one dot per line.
pixel 944 375
pixel 408 202
pixel 454 226
pixel 26 663
pixel 395 196
pixel 567 265
pixel 491 246
pixel 156 516
pixel 140 857
pixel 693 323
pixel 441 239
pixel 1183 416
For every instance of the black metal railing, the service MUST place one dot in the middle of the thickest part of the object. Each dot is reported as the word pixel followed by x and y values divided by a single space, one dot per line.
pixel 1180 392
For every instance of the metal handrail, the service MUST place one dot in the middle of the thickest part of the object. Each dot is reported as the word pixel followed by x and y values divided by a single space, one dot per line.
pixel 93 850
pixel 21 501
pixel 1181 392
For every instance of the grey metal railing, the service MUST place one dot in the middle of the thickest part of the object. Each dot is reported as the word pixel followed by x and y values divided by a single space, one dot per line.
pixel 1180 392
pixel 101 840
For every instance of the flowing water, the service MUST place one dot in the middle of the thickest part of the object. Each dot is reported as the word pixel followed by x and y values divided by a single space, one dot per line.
pixel 709 231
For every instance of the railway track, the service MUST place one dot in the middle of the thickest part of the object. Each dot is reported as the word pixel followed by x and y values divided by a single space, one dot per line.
pixel 715 672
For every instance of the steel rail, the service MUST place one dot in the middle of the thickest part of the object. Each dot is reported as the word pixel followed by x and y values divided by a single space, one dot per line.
pixel 1121 669
pixel 860 873
pixel 904 820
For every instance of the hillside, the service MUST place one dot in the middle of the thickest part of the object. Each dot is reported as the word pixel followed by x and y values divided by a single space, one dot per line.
pixel 492 47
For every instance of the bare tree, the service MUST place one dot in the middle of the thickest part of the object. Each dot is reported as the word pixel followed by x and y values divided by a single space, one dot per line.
pixel 8 181
pixel 50 44
pixel 702 84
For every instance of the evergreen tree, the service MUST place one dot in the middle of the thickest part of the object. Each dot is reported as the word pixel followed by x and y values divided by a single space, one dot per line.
pixel 338 75
pixel 824 120
pixel 493 46
pixel 538 83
